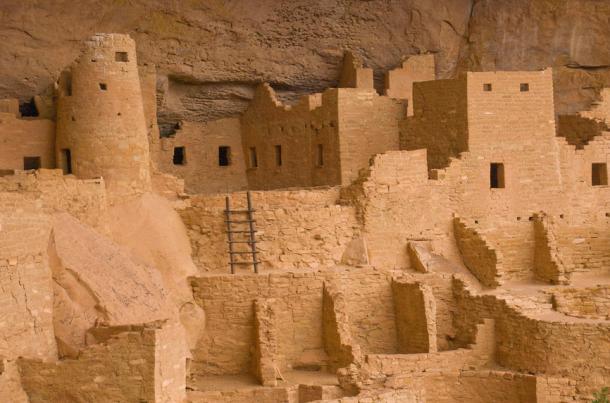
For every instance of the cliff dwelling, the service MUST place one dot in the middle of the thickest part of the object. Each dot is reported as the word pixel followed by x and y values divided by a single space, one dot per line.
pixel 401 231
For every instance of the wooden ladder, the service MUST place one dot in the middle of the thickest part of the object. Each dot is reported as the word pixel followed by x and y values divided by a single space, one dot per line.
pixel 236 233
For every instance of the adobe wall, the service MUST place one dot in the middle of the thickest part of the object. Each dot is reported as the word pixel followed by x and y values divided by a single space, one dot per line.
pixel 367 125
pixel 399 82
pixel 201 170
pixel 559 347
pixel 26 318
pixel 299 130
pixel 353 74
pixel 21 138
pixel 101 118
pixel 296 229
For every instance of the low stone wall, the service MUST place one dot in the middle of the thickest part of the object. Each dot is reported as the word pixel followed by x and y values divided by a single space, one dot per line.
pixel 525 344
pixel 590 302
pixel 366 313
pixel 415 317
pixel 131 363
pixel 478 254
pixel 84 199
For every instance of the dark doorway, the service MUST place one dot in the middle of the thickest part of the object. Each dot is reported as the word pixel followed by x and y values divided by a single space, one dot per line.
pixel 496 175
pixel 66 161
pixel 28 109
pixel 179 156
pixel 224 156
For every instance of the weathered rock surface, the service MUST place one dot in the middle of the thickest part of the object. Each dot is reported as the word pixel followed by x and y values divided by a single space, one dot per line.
pixel 210 54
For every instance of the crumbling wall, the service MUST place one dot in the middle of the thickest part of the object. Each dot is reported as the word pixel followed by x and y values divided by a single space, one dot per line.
pixel 20 138
pixel 123 366
pixel 479 256
pixel 296 229
pixel 548 265
pixel 339 344
pixel 415 308
pixel 385 197
pixel 200 168
pixel 367 125
pixel 84 199
pixel 588 302
pixel 399 82
pixel 264 361
pixel 353 74
pixel 579 130
pixel 303 131
pixel 560 347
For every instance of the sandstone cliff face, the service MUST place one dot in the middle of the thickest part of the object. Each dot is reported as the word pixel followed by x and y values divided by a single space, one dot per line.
pixel 211 54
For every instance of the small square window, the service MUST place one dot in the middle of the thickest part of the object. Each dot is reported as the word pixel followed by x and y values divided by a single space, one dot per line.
pixel 525 87
pixel 278 155
pixel 487 87
pixel 496 175
pixel 179 156
pixel 224 156
pixel 253 159
pixel 121 57
pixel 599 174
pixel 103 86
pixel 31 163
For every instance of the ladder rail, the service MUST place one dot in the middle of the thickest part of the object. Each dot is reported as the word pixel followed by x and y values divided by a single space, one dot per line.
pixel 251 233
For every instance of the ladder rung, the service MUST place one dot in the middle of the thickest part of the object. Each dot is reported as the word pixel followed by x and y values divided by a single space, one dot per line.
pixel 254 241
pixel 242 231
pixel 240 211
pixel 242 253
pixel 238 221
pixel 246 263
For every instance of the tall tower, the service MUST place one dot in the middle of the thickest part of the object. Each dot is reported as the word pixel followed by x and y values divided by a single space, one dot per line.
pixel 101 128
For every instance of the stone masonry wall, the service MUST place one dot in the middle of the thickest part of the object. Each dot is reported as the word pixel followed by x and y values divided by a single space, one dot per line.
pixel 415 317
pixel 225 347
pixel 26 317
pixel 201 171
pixel 21 138
pixel 296 229
pixel 84 199
pixel 589 302
pixel 367 125
pixel 526 344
